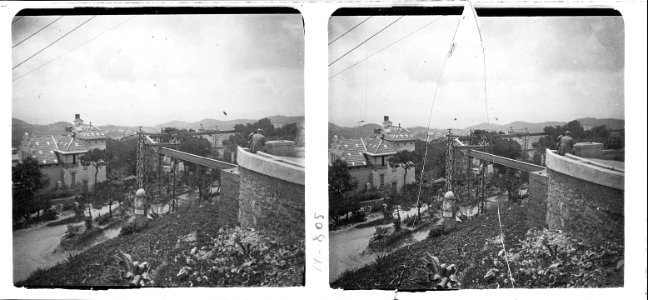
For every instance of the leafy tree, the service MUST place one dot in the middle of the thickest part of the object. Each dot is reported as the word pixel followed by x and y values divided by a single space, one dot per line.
pixel 27 178
pixel 434 160
pixel 96 158
pixel 339 182
pixel 405 159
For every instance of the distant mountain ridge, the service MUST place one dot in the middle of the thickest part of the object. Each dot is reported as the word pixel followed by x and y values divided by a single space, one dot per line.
pixel 20 127
pixel 539 127
pixel 228 125
pixel 419 132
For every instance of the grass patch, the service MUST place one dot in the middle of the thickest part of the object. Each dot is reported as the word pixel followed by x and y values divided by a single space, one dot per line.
pixel 183 239
pixel 475 248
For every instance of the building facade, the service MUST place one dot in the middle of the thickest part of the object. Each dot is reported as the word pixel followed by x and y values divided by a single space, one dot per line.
pixel 368 162
pixel 59 157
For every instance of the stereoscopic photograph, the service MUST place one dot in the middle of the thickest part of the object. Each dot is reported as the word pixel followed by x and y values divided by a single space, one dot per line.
pixel 158 147
pixel 476 148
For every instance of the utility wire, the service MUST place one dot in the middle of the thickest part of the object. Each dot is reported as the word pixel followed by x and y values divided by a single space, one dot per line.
pixel 373 35
pixel 41 50
pixel 385 48
pixel 436 89
pixel 71 50
pixel 354 27
pixel 35 33
pixel 499 218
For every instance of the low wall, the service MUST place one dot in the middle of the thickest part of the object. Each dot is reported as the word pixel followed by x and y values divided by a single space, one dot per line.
pixel 271 198
pixel 537 200
pixel 228 205
pixel 584 200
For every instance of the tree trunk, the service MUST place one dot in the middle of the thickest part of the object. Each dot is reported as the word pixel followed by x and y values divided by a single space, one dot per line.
pixel 110 208
pixel 96 173
pixel 89 209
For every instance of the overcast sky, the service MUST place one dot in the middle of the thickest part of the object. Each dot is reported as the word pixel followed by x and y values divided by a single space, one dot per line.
pixel 149 69
pixel 539 69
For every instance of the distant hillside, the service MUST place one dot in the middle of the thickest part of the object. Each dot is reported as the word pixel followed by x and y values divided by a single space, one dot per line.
pixel 365 130
pixel 228 125
pixel 435 133
pixel 609 123
pixel 20 127
pixel 539 127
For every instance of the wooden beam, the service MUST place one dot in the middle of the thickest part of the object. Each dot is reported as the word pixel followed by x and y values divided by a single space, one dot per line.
pixel 504 161
pixel 470 147
pixel 196 159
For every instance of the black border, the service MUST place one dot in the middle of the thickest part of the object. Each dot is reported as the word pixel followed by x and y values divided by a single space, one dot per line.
pixel 481 11
pixel 154 11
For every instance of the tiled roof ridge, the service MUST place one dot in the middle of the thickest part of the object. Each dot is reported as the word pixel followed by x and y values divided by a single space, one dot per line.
pixel 67 149
pixel 55 143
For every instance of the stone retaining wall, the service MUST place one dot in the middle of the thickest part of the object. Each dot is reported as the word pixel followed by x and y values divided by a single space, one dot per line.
pixel 584 200
pixel 271 205
pixel 537 201
pixel 229 199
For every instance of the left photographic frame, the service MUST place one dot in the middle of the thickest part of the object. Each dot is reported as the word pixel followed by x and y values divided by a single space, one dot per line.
pixel 188 169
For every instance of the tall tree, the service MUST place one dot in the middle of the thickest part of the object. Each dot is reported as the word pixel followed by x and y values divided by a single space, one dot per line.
pixel 96 158
pixel 339 182
pixel 27 178
pixel 405 159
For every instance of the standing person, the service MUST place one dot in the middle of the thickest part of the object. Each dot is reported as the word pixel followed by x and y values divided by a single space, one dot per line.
pixel 566 144
pixel 258 142
pixel 249 138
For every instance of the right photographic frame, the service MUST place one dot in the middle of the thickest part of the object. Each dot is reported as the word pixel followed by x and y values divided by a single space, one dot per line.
pixel 476 148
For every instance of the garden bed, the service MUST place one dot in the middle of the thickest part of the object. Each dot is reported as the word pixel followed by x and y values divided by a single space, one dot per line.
pixel 184 240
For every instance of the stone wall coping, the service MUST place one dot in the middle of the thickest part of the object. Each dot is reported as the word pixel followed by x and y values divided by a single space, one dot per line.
pixel 584 171
pixel 270 165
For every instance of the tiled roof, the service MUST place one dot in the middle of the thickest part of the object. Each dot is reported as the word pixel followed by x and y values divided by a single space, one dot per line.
pixel 40 148
pixel 351 151
pixel 394 133
pixel 69 144
pixel 86 131
pixel 378 146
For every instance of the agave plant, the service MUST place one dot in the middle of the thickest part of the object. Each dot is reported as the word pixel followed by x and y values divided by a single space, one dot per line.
pixel 136 273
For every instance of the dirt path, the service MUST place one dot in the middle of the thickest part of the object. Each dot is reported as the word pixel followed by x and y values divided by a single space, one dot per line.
pixel 36 247
pixel 39 246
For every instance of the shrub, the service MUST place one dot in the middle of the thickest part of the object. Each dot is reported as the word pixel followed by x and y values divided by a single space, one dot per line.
pixel 130 228
pixel 49 215
pixel 103 219
pixel 88 223
pixel 358 216
pixel 380 230
pixel 68 205
pixel 73 230
pixel 410 220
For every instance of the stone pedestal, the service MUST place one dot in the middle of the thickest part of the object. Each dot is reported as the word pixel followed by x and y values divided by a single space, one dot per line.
pixel 140 208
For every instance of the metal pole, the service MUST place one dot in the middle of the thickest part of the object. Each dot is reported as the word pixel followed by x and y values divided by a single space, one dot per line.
pixel 449 164
pixel 140 160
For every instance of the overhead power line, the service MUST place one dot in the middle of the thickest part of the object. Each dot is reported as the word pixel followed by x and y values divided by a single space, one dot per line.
pixel 354 27
pixel 35 33
pixel 71 50
pixel 373 35
pixel 52 43
pixel 385 48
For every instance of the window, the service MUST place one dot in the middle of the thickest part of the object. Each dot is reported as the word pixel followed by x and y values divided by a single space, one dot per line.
pixel 394 185
pixel 73 178
pixel 382 180
pixel 85 185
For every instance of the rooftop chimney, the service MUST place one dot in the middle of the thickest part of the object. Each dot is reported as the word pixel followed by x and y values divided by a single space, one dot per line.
pixel 77 116
pixel 386 122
